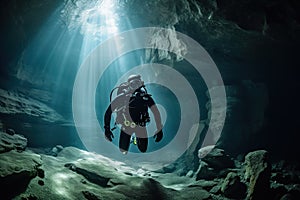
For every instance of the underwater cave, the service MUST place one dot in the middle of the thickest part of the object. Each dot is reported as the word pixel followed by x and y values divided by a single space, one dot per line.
pixel 161 99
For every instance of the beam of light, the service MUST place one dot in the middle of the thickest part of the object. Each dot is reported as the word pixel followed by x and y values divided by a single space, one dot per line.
pixel 49 58
pixel 97 24
pixel 52 58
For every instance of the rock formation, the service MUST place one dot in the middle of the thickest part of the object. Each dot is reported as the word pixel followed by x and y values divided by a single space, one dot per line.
pixel 78 174
pixel 255 47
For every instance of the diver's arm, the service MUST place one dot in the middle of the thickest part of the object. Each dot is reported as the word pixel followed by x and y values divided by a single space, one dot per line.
pixel 159 132
pixel 107 117
pixel 112 106
pixel 157 117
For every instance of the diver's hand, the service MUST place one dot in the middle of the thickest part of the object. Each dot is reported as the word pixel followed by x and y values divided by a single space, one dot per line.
pixel 109 135
pixel 158 135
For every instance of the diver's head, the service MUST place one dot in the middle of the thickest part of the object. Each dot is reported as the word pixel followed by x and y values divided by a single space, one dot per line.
pixel 135 82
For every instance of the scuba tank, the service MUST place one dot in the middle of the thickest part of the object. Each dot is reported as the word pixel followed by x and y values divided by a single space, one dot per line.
pixel 123 88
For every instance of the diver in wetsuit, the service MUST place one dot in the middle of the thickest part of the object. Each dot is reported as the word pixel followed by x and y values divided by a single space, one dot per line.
pixel 131 106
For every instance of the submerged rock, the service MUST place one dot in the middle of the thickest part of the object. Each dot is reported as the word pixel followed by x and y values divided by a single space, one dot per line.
pixel 78 174
pixel 9 142
pixel 258 172
pixel 205 172
pixel 232 187
pixel 204 151
pixel 215 164
pixel 55 150
pixel 16 172
pixel 218 159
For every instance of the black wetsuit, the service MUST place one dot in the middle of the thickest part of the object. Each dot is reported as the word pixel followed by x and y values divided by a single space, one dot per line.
pixel 131 109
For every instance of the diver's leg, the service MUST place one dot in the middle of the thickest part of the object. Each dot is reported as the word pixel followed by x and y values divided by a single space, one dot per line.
pixel 124 141
pixel 142 139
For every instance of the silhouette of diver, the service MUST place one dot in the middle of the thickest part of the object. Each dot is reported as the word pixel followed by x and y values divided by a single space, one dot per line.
pixel 131 106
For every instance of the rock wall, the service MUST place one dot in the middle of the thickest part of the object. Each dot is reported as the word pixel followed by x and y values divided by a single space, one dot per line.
pixel 20 21
pixel 41 124
pixel 245 117
pixel 248 40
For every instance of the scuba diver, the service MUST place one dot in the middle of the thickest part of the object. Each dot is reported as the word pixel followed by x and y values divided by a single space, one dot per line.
pixel 131 106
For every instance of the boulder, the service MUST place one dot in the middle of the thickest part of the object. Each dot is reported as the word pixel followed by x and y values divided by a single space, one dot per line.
pixel 258 172
pixel 215 164
pixel 218 159
pixel 55 150
pixel 232 187
pixel 204 151
pixel 16 171
pixel 9 142
pixel 205 172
